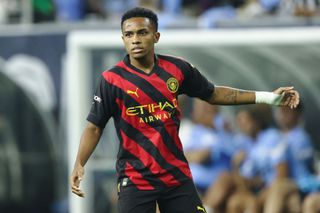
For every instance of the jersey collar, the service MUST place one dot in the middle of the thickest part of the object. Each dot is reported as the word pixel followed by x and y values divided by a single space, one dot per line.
pixel 126 60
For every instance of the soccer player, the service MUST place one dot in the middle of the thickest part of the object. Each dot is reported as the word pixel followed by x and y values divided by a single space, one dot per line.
pixel 140 93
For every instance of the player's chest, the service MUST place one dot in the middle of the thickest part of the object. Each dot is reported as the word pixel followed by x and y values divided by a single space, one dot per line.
pixel 149 89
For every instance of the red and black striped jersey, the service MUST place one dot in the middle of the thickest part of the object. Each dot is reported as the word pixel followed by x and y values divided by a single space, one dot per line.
pixel 147 118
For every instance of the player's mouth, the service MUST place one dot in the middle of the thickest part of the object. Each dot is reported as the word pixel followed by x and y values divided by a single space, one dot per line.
pixel 137 49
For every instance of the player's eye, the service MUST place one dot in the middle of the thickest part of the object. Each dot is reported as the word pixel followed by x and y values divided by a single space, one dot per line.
pixel 128 34
pixel 144 32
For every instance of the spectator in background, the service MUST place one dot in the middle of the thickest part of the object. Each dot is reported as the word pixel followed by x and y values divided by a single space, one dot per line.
pixel 258 8
pixel 266 161
pixel 115 8
pixel 219 192
pixel 215 11
pixel 208 147
pixel 71 10
pixel 94 9
pixel 170 11
pixel 305 8
pixel 173 7
pixel 300 146
pixel 270 6
pixel 77 10
pixel 300 162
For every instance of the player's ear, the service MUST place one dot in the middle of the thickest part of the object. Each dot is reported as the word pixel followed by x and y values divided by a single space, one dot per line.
pixel 156 37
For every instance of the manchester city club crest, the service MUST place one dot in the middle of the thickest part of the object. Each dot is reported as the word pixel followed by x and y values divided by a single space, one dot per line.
pixel 172 85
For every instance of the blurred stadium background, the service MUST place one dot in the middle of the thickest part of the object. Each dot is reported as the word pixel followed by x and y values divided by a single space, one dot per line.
pixel 52 52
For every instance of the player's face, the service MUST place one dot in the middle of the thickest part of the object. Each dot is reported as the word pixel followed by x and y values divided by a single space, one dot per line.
pixel 139 36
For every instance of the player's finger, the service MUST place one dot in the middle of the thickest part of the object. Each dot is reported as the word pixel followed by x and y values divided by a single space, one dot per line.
pixel 292 103
pixel 297 98
pixel 78 192
pixel 75 188
pixel 294 99
pixel 75 182
pixel 287 102
pixel 286 99
pixel 280 90
pixel 287 88
pixel 80 175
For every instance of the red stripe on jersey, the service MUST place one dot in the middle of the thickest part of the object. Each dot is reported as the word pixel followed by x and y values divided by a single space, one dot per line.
pixel 148 160
pixel 120 82
pixel 137 178
pixel 172 69
pixel 173 133
pixel 156 138
pixel 154 80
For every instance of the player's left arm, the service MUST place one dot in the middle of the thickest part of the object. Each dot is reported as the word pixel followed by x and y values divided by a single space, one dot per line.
pixel 283 96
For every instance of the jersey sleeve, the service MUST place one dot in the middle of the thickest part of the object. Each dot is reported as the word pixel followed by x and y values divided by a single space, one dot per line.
pixel 102 105
pixel 195 84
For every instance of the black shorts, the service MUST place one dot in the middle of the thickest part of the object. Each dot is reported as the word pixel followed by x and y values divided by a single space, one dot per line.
pixel 178 199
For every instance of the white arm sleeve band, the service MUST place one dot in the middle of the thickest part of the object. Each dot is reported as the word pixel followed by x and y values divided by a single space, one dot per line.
pixel 268 98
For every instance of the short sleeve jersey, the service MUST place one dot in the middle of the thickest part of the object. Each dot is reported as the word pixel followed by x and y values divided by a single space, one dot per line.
pixel 147 117
pixel 301 153
pixel 267 152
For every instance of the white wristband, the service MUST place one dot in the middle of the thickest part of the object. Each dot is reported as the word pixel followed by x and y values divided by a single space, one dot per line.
pixel 268 98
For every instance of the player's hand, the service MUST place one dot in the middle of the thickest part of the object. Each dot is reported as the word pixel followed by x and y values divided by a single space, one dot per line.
pixel 75 179
pixel 290 97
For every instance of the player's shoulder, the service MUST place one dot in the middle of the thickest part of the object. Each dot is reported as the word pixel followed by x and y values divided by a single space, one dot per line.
pixel 171 58
pixel 180 62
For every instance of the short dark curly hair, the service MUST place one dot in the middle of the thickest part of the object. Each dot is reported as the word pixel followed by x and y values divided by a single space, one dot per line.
pixel 141 12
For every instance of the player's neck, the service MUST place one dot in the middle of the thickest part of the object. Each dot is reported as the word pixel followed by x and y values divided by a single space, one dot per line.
pixel 145 64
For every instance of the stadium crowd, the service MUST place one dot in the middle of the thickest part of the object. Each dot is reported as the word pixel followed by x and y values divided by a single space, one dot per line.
pixel 264 161
pixel 204 13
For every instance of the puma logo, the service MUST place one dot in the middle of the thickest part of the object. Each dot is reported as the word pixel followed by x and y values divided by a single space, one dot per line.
pixel 133 92
pixel 199 208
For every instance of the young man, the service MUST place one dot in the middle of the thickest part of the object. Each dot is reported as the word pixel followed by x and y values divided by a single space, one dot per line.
pixel 140 93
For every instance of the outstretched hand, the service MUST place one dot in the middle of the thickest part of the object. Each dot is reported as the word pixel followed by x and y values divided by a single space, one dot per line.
pixel 75 179
pixel 290 97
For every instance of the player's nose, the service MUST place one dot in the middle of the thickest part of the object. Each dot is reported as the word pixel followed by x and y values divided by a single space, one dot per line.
pixel 136 39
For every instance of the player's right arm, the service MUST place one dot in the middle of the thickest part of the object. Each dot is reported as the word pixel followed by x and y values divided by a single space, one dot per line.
pixel 89 140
